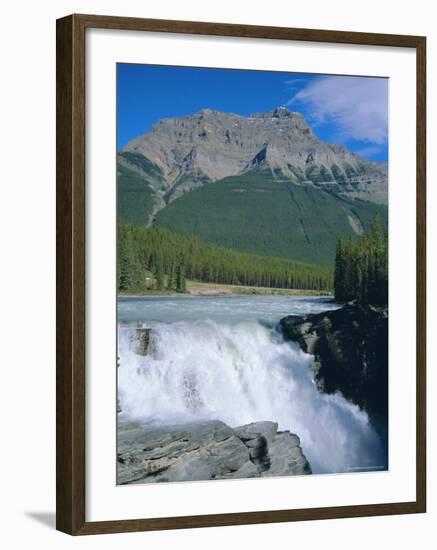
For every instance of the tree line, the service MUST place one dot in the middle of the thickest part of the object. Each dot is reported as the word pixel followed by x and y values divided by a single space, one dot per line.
pixel 361 267
pixel 163 259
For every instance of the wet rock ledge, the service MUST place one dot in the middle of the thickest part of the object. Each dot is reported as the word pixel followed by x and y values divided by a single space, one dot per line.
pixel 204 451
pixel 350 348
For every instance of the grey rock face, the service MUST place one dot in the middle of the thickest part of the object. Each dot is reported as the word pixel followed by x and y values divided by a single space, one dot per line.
pixel 350 348
pixel 209 145
pixel 203 451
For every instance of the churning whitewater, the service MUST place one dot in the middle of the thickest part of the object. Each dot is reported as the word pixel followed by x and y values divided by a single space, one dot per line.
pixel 240 372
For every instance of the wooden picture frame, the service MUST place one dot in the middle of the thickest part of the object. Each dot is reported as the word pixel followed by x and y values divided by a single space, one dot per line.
pixel 71 254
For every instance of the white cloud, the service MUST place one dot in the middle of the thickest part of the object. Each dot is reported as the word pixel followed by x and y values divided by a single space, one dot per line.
pixel 357 106
pixel 294 83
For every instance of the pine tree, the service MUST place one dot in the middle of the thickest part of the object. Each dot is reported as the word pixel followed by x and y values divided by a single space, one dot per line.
pixel 338 271
pixel 180 278
pixel 171 278
pixel 125 268
pixel 361 267
pixel 159 275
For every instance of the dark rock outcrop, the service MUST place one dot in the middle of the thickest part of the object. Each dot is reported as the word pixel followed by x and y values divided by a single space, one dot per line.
pixel 203 451
pixel 350 348
pixel 143 340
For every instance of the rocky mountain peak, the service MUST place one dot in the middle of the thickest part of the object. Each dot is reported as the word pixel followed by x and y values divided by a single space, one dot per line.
pixel 210 145
pixel 279 112
pixel 209 113
pixel 282 112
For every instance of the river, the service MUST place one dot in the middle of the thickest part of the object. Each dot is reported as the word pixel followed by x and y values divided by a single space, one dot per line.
pixel 224 358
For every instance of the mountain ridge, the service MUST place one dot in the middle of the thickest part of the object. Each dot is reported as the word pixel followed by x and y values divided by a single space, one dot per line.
pixel 210 145
pixel 263 184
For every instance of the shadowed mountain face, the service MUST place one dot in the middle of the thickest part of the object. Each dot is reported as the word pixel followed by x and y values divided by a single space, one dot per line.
pixel 234 157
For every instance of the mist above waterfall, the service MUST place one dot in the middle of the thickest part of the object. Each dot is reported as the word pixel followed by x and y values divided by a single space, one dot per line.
pixel 241 372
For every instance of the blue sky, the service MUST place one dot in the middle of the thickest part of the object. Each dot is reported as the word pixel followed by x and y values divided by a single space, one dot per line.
pixel 341 109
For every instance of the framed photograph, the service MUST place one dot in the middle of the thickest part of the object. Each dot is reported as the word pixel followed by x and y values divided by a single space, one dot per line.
pixel 240 274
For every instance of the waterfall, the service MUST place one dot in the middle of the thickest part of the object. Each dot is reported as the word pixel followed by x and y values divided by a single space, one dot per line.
pixel 239 373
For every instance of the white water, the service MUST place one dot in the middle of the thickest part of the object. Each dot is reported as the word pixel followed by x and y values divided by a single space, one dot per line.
pixel 240 372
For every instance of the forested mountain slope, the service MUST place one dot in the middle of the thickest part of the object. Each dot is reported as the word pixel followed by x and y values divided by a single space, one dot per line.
pixel 263 184
pixel 257 213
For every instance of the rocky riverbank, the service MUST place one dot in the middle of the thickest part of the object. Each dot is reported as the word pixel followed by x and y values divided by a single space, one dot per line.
pixel 350 348
pixel 204 451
